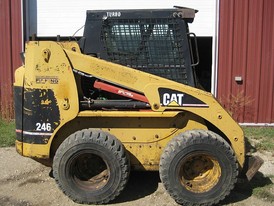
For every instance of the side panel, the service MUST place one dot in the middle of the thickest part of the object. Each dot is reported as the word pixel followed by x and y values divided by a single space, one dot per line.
pixel 41 115
pixel 144 137
pixel 18 89
pixel 47 94
pixel 18 108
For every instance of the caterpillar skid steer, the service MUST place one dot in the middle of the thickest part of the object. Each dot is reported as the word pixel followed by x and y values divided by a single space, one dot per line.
pixel 125 97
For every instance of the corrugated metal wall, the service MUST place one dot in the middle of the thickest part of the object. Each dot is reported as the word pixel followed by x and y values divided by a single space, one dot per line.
pixel 246 50
pixel 10 47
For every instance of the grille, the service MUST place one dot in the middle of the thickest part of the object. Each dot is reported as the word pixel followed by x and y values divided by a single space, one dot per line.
pixel 150 45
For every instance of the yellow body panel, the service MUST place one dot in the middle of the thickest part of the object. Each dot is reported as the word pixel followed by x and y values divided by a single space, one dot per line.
pixel 47 67
pixel 144 133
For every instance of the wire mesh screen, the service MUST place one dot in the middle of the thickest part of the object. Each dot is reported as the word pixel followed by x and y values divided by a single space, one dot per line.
pixel 150 45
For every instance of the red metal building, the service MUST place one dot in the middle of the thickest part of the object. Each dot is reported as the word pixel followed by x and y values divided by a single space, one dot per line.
pixel 246 59
pixel 10 47
pixel 245 80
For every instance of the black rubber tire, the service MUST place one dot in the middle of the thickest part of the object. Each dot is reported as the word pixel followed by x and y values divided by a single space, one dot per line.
pixel 100 183
pixel 192 144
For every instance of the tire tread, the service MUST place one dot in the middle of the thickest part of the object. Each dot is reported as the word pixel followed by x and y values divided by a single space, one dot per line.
pixel 189 138
pixel 98 137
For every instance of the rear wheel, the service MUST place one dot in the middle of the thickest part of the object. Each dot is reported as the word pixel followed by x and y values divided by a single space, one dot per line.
pixel 91 167
pixel 198 167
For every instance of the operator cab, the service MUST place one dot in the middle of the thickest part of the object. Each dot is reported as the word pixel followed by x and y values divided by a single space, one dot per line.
pixel 154 41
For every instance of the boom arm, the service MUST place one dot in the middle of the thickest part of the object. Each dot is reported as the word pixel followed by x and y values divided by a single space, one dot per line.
pixel 159 91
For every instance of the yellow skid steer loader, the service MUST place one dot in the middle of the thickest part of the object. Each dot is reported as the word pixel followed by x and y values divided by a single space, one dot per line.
pixel 125 97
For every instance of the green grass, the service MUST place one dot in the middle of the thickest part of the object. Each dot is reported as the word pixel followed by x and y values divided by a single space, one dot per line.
pixel 263 187
pixel 262 138
pixel 7 133
pixel 263 193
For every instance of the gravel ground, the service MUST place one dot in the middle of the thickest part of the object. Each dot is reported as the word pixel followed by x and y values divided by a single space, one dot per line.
pixel 25 182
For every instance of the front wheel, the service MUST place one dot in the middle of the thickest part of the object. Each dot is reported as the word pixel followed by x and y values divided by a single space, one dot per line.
pixel 91 167
pixel 198 167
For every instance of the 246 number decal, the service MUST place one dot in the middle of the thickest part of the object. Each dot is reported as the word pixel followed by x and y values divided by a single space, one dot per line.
pixel 45 127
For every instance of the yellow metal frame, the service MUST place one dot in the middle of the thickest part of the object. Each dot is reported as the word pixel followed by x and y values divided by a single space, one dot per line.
pixel 144 144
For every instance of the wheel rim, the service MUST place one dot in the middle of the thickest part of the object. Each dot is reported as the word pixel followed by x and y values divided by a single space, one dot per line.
pixel 89 171
pixel 199 172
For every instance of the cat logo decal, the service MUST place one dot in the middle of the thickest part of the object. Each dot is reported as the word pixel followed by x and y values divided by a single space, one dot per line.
pixel 173 98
